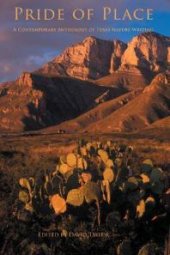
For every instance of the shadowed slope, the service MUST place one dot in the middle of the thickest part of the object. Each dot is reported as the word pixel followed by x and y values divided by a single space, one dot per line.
pixel 148 107
pixel 96 114
pixel 33 101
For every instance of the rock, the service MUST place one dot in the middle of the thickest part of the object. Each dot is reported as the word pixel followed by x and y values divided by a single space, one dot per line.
pixel 91 59
pixel 149 51
pixel 116 56
pixel 25 79
pixel 161 80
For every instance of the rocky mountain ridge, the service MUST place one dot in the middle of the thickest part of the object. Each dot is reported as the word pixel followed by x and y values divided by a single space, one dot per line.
pixel 90 59
pixel 94 58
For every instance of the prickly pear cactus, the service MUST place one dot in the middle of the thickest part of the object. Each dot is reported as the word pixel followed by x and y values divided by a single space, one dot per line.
pixel 99 180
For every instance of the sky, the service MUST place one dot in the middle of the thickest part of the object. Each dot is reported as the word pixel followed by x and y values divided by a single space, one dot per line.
pixel 27 51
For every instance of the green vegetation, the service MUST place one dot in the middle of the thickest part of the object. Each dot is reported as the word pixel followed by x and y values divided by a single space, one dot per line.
pixel 98 188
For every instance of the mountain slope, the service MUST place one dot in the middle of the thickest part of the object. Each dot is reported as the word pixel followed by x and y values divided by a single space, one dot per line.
pixel 148 107
pixel 99 112
pixel 34 101
pixel 129 80
pixel 165 123
pixel 159 129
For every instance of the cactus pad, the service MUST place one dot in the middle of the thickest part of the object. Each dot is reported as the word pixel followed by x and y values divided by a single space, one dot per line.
pixel 75 197
pixel 104 155
pixel 92 192
pixel 156 175
pixel 109 163
pixel 147 166
pixel 145 178
pixel 71 159
pixel 82 163
pixel 24 183
pixel 86 177
pixel 24 196
pixel 140 209
pixel 108 174
pixel 63 169
pixel 58 204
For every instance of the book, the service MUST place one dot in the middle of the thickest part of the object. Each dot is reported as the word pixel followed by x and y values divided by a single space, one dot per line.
pixel 84 127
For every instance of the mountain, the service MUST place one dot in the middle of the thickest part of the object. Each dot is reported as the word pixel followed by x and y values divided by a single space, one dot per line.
pixel 113 63
pixel 90 59
pixel 132 111
pixel 93 86
pixel 33 101
pixel 149 106
pixel 145 56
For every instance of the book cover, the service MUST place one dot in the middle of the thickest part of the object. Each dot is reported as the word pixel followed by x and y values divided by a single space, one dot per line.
pixel 84 127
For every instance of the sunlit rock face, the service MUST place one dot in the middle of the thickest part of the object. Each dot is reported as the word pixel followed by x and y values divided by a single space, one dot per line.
pixel 95 58
pixel 149 51
pixel 161 81
pixel 25 79
pixel 91 59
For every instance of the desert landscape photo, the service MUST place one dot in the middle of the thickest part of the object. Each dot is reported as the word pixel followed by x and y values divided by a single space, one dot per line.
pixel 84 151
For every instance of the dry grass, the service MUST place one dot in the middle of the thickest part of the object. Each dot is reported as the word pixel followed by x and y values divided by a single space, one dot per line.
pixel 25 155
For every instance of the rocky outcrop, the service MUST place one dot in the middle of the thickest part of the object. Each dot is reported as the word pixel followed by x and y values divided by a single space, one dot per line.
pixel 115 61
pixel 25 79
pixel 161 80
pixel 91 59
pixel 149 51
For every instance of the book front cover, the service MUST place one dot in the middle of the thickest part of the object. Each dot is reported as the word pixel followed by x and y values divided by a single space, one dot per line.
pixel 84 127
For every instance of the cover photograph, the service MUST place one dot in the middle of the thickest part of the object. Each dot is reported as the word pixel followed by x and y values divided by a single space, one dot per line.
pixel 84 127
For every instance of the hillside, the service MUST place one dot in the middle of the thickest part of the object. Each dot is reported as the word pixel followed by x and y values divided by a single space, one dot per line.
pixel 100 112
pixel 148 107
pixel 33 101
